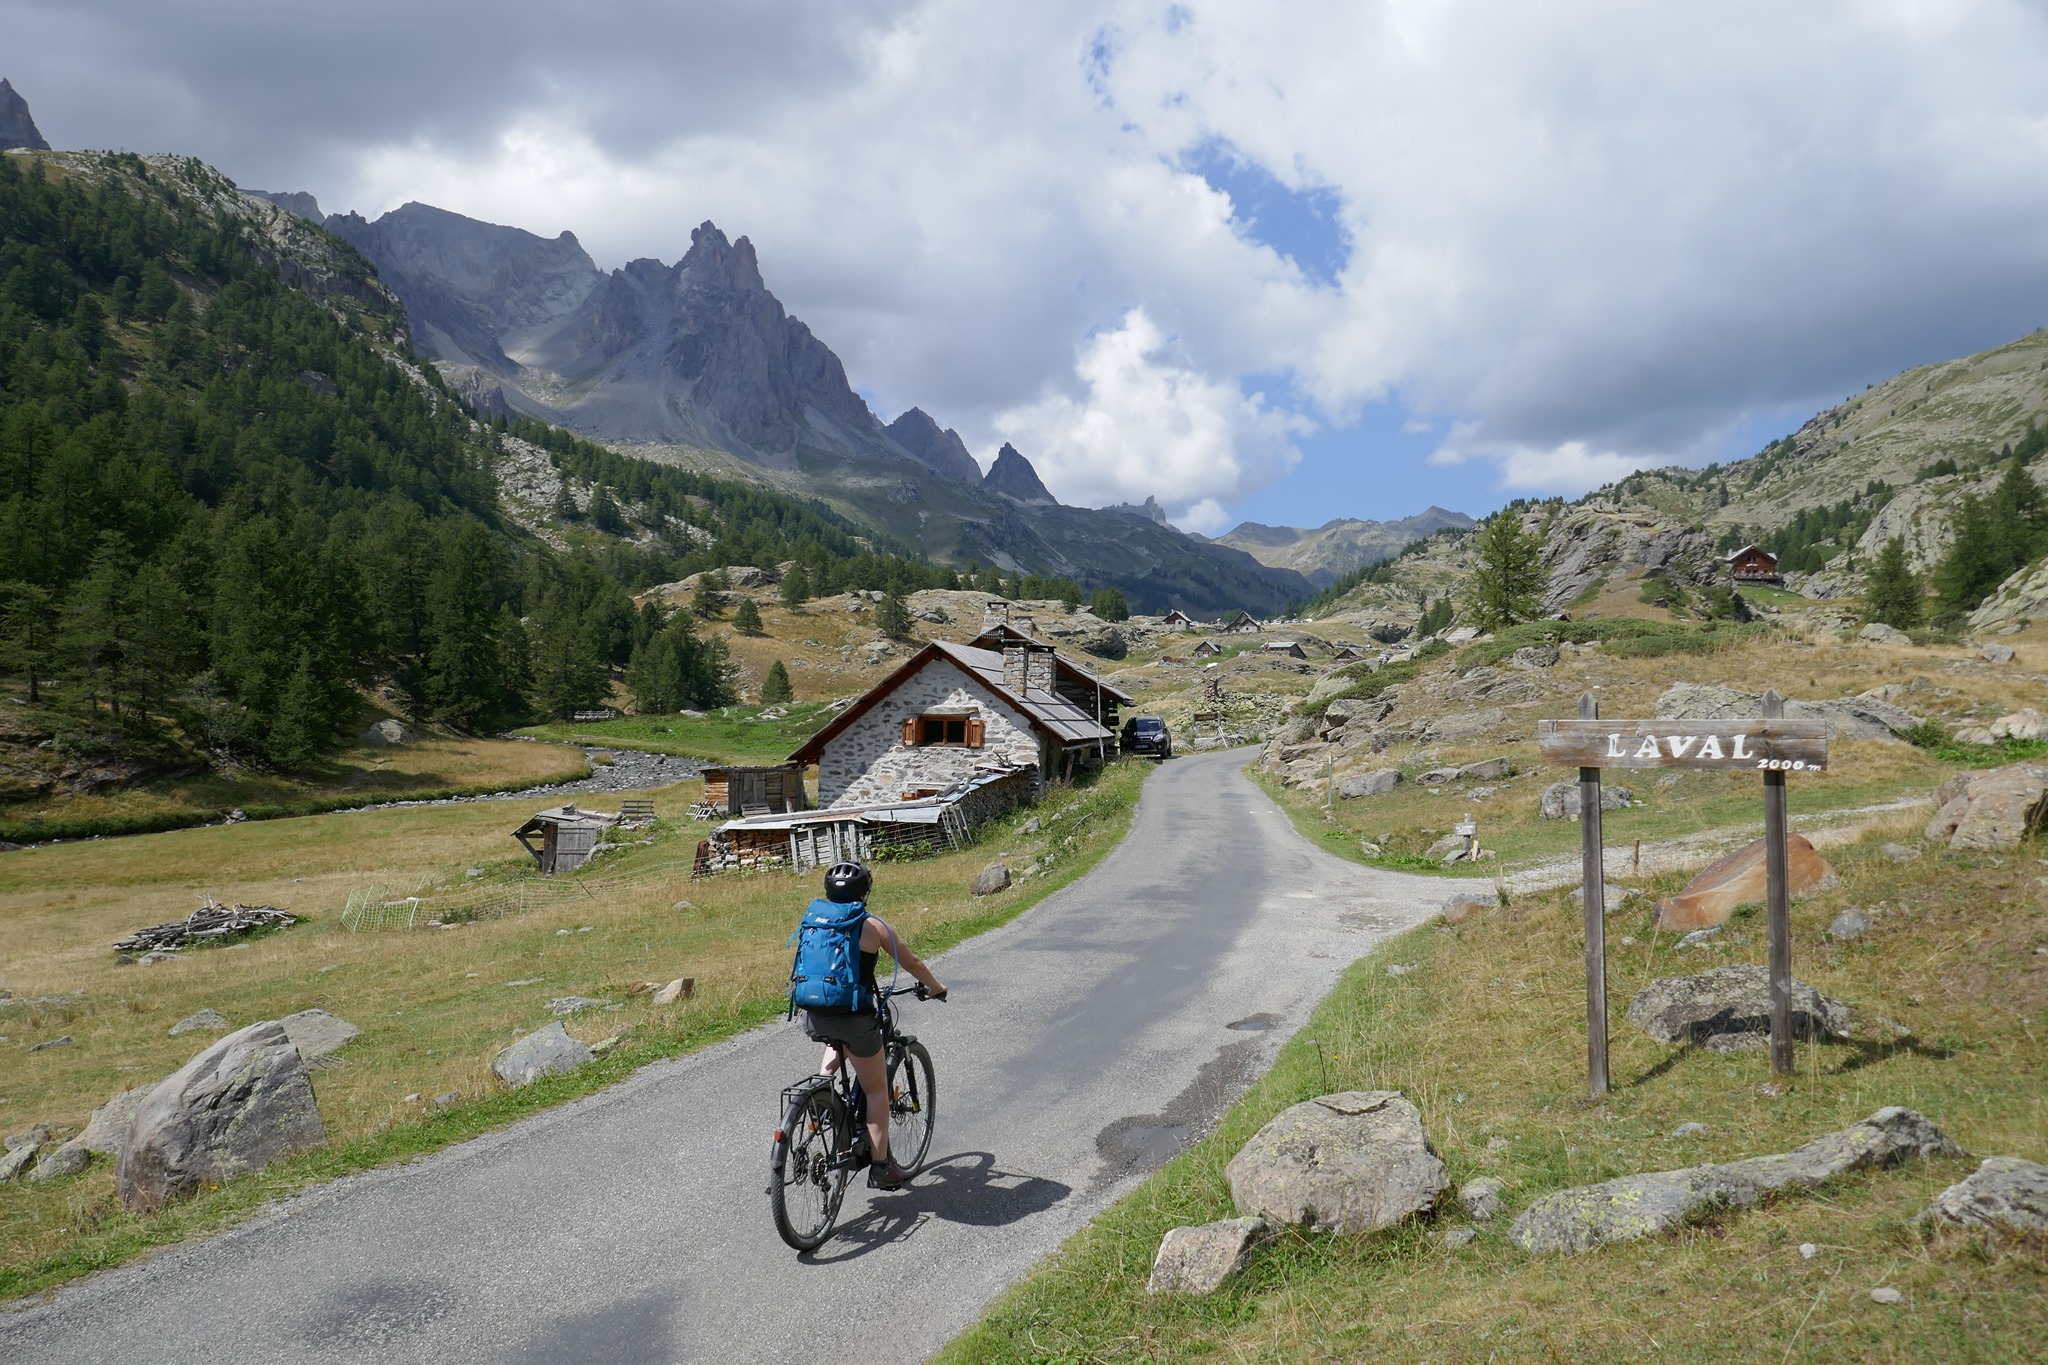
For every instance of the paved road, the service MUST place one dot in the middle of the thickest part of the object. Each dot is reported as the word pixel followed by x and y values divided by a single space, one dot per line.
pixel 1087 1041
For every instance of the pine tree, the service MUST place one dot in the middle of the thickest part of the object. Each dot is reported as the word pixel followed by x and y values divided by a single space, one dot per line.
pixel 892 618
pixel 27 622
pixel 707 602
pixel 1109 604
pixel 796 588
pixel 747 620
pixel 565 502
pixel 1070 595
pixel 300 731
pixel 1507 584
pixel 1892 596
pixel 604 512
pixel 775 688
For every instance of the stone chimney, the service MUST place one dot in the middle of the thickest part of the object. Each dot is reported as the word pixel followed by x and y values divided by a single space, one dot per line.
pixel 995 613
pixel 1014 668
pixel 1038 671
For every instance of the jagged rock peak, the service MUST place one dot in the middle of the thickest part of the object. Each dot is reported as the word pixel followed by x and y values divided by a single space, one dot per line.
pixel 299 202
pixel 712 255
pixel 1013 477
pixel 1149 509
pixel 941 451
pixel 17 127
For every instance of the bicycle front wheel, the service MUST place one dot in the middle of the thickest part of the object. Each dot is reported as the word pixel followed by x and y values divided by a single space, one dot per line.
pixel 913 1106
pixel 805 1183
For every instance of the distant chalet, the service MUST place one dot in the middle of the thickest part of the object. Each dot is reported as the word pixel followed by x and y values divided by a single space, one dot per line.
pixel 1244 623
pixel 1754 564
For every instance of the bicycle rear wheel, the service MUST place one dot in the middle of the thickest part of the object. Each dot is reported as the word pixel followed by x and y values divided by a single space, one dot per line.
pixel 805 1183
pixel 913 1106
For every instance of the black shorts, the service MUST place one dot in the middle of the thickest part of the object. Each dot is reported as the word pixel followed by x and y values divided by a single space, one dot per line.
pixel 860 1030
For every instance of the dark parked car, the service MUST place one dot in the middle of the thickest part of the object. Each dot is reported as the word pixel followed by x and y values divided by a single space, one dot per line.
pixel 1148 735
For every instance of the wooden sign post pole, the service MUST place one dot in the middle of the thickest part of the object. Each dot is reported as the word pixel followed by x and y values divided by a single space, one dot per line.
pixel 1593 876
pixel 1778 904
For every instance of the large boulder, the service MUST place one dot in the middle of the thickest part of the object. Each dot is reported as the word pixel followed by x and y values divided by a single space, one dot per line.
pixel 108 1127
pixel 1561 800
pixel 1878 633
pixel 1638 1206
pixel 1198 1260
pixel 1348 711
pixel 1378 782
pixel 2025 723
pixel 1991 812
pixel 1351 1162
pixel 544 1052
pixel 2004 1195
pixel 386 734
pixel 1729 1003
pixel 235 1108
pixel 1741 878
pixel 16 1161
pixel 317 1034
pixel 1847 717
pixel 991 879
pixel 69 1159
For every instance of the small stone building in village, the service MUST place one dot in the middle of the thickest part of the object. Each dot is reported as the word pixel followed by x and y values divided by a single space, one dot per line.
pixel 1244 623
pixel 1290 649
pixel 1178 620
pixel 1205 648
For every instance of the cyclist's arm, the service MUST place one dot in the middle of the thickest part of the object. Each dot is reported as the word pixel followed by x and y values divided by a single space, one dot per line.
pixel 878 932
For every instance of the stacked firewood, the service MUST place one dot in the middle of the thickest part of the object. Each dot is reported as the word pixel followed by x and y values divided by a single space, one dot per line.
pixel 210 923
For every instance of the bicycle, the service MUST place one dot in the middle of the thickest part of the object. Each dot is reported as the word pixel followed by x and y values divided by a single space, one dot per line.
pixel 822 1140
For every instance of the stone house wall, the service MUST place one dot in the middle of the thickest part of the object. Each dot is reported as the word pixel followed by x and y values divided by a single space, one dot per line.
pixel 868 763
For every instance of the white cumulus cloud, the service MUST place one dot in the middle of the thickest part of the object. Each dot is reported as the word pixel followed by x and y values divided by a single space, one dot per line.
pixel 1147 425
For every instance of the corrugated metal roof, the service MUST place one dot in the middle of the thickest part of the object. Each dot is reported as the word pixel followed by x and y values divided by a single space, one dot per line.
pixel 924 810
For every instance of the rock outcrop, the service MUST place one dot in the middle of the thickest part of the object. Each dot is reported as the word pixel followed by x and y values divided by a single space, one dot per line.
pixel 1991 812
pixel 235 1108
pixel 1741 878
pixel 1847 717
pixel 1351 1162
pixel 544 1052
pixel 939 450
pixel 1639 1206
pixel 1730 1007
pixel 1564 801
pixel 2002 1196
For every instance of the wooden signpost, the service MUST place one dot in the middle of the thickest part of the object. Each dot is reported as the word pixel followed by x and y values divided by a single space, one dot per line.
pixel 1771 745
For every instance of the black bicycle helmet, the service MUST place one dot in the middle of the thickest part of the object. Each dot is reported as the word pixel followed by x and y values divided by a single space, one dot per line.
pixel 846 883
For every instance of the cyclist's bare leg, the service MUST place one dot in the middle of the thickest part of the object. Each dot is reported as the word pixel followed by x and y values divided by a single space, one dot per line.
pixel 874 1083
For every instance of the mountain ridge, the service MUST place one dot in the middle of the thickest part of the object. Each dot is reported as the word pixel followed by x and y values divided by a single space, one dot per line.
pixel 1325 553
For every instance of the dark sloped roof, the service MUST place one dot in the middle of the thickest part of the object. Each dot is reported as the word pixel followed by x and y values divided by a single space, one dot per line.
pixel 998 632
pixel 1049 713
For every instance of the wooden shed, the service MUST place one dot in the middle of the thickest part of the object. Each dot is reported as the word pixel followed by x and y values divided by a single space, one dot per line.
pixel 563 838
pixel 776 789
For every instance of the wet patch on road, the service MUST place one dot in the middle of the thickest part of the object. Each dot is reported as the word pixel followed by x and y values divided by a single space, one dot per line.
pixel 1254 1023
pixel 1145 1142
pixel 374 1314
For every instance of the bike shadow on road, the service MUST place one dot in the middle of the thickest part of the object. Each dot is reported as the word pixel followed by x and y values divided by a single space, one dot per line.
pixel 964 1188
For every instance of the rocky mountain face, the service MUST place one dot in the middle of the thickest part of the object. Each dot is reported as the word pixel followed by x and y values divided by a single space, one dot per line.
pixel 942 452
pixel 1149 509
pixel 1013 477
pixel 1335 548
pixel 17 126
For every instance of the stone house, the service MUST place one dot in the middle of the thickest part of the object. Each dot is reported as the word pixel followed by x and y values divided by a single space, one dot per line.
pixel 954 711
pixel 1205 648
pixel 1290 649
pixel 1244 623
pixel 1178 620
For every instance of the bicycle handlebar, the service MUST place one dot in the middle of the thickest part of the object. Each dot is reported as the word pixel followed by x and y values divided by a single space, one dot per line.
pixel 920 990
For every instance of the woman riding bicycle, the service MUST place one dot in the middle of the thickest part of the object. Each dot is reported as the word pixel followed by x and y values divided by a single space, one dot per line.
pixel 859 1031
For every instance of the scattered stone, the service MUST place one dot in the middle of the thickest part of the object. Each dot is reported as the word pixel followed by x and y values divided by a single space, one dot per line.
pixel 604 1045
pixel 447 1098
pixel 413 1098
pixel 684 905
pixel 1689 1130
pixel 29 1137
pixel 1740 878
pixel 1639 1206
pixel 386 733
pixel 564 1006
pixel 64 1041
pixel 240 1104
pixel 212 1021
pixel 2004 1195
pixel 642 987
pixel 1878 633
pixel 1378 782
pixel 16 1161
pixel 1884 1293
pixel 1480 1198
pixel 150 959
pixel 1486 770
pixel 69 1159
pixel 1807 1251
pixel 1612 896
pixel 1899 853
pixel 1450 843
pixel 991 879
pixel 317 1034
pixel 1733 1000
pixel 1849 924
pixel 527 981
pixel 1400 968
pixel 1996 654
pixel 1534 656
pixel 2023 724
pixel 1991 812
pixel 1451 1239
pixel 1460 906
pixel 544 1052
pixel 1198 1260
pixel 1560 800
pixel 1351 1162
pixel 108 1127
pixel 682 988
pixel 1438 777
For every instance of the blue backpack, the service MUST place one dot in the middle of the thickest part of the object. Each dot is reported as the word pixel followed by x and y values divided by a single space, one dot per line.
pixel 826 972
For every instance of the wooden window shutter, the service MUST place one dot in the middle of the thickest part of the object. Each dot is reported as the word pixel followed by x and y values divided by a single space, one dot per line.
pixel 975 732
pixel 910 732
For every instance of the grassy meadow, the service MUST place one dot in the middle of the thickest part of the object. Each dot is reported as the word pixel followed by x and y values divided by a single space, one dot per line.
pixel 1487 1037
pixel 435 1004
pixel 733 734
